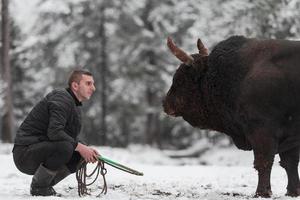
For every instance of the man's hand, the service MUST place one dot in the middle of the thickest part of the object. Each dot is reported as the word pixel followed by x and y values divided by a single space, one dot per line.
pixel 87 153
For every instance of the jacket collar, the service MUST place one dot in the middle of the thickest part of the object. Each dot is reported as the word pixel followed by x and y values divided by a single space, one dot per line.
pixel 77 102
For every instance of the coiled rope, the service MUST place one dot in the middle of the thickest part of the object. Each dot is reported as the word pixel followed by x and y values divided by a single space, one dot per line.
pixel 82 175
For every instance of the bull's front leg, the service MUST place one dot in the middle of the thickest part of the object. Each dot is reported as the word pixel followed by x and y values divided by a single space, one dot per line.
pixel 263 164
pixel 264 147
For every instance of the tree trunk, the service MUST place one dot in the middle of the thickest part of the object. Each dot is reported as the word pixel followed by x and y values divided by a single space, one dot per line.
pixel 152 126
pixel 7 118
pixel 103 76
pixel 125 130
pixel 149 117
pixel 152 129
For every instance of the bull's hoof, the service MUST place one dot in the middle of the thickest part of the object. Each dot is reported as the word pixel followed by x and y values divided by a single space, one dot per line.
pixel 293 193
pixel 263 194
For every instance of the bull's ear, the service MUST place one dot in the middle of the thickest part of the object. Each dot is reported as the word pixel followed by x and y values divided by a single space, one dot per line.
pixel 203 51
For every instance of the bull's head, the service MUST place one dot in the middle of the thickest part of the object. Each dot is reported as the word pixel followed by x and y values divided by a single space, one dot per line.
pixel 183 97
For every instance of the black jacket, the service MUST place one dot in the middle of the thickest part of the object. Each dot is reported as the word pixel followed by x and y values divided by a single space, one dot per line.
pixel 57 117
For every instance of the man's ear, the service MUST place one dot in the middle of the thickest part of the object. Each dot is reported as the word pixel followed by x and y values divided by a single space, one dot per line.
pixel 74 86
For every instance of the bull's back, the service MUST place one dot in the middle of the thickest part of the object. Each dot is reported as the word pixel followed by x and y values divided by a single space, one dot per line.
pixel 270 91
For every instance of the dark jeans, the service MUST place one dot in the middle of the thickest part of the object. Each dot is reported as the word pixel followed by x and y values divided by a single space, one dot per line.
pixel 53 155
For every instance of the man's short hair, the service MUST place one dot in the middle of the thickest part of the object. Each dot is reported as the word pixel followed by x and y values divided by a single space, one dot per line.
pixel 76 76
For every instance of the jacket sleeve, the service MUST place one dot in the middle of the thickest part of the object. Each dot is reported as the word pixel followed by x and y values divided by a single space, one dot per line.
pixel 59 110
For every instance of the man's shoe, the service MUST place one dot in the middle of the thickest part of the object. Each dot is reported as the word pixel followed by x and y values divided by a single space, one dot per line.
pixel 43 191
pixel 41 182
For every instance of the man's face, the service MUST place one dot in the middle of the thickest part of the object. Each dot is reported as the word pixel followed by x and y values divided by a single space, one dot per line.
pixel 85 88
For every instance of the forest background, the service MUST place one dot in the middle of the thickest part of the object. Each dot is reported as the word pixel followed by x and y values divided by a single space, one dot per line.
pixel 123 43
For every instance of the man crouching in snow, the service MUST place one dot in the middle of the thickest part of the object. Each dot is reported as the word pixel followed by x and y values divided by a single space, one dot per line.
pixel 46 144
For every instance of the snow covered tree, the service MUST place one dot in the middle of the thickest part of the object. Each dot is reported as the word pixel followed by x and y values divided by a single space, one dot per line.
pixel 17 64
pixel 146 63
pixel 82 31
pixel 7 117
pixel 123 43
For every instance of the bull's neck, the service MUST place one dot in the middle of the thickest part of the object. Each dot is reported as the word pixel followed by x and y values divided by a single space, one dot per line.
pixel 212 109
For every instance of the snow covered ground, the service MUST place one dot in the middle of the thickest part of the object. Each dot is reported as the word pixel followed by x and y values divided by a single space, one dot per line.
pixel 228 174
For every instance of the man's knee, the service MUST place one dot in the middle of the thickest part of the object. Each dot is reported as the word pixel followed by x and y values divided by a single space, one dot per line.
pixel 64 149
pixel 61 154
pixel 74 162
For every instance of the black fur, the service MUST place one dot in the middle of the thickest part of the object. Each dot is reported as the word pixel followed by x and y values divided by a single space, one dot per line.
pixel 249 90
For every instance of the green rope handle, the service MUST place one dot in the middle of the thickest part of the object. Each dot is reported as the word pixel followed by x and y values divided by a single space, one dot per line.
pixel 120 166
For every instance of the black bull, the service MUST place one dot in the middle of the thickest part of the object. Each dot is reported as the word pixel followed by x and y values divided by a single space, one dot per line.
pixel 248 89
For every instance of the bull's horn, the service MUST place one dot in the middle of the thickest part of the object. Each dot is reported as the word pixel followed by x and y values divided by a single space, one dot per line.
pixel 179 53
pixel 202 50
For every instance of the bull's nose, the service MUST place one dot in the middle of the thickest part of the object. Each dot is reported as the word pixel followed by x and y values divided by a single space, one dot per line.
pixel 167 108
